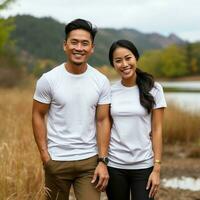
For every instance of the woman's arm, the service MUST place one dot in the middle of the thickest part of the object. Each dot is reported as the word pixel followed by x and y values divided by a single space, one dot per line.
pixel 154 178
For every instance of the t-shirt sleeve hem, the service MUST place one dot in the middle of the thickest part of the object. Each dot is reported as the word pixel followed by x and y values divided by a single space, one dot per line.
pixel 105 102
pixel 41 100
pixel 160 106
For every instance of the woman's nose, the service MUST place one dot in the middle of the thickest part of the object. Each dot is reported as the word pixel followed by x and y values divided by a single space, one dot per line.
pixel 124 63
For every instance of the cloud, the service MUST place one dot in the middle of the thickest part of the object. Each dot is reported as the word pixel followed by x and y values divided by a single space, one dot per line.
pixel 145 15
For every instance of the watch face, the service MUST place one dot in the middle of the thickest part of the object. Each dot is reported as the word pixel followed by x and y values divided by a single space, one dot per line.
pixel 104 160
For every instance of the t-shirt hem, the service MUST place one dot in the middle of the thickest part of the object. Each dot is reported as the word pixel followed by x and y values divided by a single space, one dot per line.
pixel 132 166
pixel 72 158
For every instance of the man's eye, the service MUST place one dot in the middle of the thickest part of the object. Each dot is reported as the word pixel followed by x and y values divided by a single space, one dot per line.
pixel 85 43
pixel 73 42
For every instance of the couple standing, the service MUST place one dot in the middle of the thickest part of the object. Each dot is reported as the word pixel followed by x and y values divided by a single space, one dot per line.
pixel 79 143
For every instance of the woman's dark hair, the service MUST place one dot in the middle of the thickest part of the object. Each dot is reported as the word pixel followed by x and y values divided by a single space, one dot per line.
pixel 144 80
pixel 80 24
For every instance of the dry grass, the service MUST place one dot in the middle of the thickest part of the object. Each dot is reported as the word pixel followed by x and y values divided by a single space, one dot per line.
pixel 20 166
pixel 194 152
pixel 21 176
pixel 181 126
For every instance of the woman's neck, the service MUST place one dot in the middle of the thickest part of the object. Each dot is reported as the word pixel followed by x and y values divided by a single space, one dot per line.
pixel 129 82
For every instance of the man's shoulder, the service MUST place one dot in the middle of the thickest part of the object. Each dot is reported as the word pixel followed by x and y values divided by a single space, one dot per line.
pixel 97 73
pixel 52 74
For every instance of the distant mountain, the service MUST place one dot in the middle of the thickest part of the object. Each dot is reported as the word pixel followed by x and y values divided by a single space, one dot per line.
pixel 43 38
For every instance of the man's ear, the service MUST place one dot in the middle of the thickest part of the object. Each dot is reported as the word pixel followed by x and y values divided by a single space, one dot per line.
pixel 64 45
pixel 93 47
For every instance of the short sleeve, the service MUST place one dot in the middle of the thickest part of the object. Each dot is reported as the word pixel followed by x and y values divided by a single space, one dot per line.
pixel 105 96
pixel 43 91
pixel 159 97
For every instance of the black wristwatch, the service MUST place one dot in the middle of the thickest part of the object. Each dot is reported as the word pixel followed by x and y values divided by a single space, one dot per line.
pixel 103 159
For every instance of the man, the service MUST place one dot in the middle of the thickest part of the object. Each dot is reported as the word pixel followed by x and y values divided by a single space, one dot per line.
pixel 75 97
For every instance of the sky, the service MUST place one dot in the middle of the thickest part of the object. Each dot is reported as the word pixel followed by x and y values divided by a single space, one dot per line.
pixel 181 17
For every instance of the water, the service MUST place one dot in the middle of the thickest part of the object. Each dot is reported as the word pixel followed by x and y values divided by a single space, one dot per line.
pixel 189 101
pixel 192 85
pixel 184 183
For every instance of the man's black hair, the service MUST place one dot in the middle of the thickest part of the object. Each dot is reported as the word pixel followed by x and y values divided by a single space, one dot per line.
pixel 80 24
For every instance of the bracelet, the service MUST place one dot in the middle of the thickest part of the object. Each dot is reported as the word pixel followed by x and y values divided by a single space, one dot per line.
pixel 157 161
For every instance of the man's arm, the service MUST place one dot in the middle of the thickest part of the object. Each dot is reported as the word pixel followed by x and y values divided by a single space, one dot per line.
pixel 39 111
pixel 103 129
pixel 103 139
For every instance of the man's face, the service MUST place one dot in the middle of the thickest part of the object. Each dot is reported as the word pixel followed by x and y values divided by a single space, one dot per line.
pixel 78 47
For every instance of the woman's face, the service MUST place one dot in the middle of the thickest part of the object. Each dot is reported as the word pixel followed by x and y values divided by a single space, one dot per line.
pixel 124 62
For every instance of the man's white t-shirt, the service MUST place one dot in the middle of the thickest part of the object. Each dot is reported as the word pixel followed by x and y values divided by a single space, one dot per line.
pixel 71 126
pixel 130 144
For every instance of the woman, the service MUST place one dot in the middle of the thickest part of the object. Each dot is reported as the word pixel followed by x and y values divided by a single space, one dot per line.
pixel 137 109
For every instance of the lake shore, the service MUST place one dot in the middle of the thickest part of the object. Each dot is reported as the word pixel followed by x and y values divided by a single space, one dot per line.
pixel 178 162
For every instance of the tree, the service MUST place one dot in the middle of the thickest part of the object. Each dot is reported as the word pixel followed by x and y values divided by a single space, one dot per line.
pixel 195 54
pixel 11 71
pixel 170 62
pixel 174 61
pixel 5 3
pixel 151 62
pixel 6 26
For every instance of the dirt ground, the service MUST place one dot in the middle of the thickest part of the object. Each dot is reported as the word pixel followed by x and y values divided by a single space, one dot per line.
pixel 176 163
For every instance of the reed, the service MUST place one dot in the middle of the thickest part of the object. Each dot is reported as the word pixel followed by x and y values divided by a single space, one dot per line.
pixel 181 126
pixel 20 165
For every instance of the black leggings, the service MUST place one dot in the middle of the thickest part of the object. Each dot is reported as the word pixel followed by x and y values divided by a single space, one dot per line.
pixel 124 182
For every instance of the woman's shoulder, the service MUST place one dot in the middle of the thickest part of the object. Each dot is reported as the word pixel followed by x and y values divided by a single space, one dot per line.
pixel 115 85
pixel 157 85
pixel 156 88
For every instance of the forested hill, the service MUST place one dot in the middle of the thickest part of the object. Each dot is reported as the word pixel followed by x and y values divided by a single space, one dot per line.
pixel 43 38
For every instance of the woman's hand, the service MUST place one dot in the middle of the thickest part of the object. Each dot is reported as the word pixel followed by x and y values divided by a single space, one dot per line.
pixel 153 183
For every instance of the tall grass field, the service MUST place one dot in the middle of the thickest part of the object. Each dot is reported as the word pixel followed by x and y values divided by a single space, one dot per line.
pixel 21 171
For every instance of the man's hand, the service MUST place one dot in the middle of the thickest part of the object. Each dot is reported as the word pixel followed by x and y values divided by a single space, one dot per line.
pixel 45 157
pixel 101 176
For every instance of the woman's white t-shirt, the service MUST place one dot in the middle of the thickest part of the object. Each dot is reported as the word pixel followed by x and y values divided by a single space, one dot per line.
pixel 130 144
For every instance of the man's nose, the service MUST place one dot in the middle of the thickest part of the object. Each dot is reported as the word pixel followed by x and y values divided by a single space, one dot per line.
pixel 79 47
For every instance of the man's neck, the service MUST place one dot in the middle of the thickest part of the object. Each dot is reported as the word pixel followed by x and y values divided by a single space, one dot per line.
pixel 76 69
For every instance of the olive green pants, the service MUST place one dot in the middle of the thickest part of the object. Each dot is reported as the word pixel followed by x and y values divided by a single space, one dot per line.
pixel 61 175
